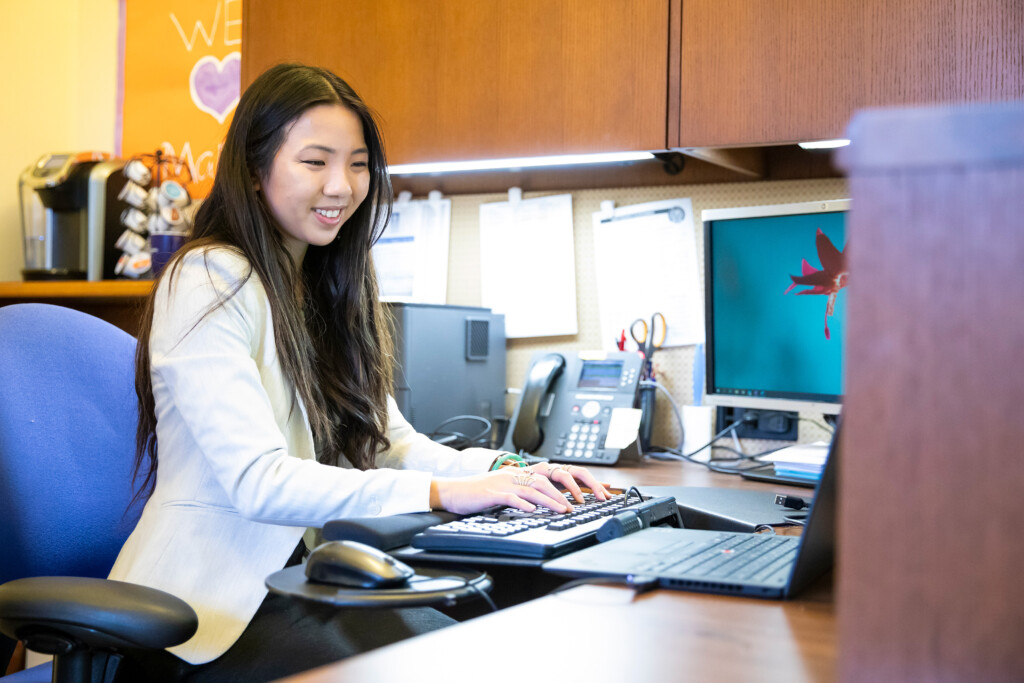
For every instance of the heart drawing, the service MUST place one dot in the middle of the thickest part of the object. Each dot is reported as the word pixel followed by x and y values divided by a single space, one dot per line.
pixel 214 84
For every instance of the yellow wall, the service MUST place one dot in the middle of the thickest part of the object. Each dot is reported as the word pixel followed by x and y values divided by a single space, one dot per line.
pixel 59 91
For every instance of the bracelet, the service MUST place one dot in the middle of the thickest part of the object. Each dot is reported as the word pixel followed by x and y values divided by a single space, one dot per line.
pixel 510 459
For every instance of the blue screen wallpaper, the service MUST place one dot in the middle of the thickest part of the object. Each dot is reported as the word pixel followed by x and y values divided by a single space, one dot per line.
pixel 771 334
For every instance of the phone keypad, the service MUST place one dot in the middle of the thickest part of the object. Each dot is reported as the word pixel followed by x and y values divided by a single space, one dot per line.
pixel 583 441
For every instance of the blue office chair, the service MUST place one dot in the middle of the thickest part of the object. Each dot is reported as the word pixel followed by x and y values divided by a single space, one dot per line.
pixel 67 441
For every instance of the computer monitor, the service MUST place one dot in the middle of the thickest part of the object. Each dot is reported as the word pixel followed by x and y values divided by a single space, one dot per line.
pixel 449 361
pixel 775 303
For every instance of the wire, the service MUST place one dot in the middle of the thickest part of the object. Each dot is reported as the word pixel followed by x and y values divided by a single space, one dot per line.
pixel 667 453
pixel 675 407
pixel 677 454
pixel 483 594
pixel 462 440
pixel 630 490
pixel 466 583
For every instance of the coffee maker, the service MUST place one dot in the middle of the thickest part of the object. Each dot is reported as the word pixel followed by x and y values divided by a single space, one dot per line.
pixel 70 215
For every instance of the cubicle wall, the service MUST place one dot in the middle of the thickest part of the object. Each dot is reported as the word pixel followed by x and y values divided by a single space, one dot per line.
pixel 930 500
pixel 675 365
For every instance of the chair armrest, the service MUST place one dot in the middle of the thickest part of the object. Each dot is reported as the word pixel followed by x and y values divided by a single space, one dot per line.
pixel 48 611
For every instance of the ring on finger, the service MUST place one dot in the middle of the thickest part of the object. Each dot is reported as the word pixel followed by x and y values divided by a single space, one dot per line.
pixel 554 468
pixel 523 479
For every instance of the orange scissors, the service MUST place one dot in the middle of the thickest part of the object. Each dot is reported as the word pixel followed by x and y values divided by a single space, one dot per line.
pixel 649 337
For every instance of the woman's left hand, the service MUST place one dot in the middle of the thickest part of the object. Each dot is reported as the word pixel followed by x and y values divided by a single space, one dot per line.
pixel 570 477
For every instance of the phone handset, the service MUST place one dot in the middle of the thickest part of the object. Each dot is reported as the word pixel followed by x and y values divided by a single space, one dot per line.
pixel 527 435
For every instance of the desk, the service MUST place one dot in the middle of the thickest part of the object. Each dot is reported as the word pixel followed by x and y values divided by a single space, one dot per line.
pixel 610 635
pixel 119 302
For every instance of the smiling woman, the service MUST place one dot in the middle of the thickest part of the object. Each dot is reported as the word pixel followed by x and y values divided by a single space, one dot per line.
pixel 263 374
pixel 318 178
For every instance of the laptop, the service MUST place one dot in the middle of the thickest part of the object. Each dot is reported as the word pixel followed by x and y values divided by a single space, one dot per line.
pixel 730 563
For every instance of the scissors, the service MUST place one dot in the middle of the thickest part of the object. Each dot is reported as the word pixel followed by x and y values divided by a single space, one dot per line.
pixel 649 338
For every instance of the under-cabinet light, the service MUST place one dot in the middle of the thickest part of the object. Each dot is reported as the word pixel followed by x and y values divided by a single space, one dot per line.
pixel 824 144
pixel 517 163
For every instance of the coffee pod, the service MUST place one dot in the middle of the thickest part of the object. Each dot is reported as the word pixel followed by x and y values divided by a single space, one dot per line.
pixel 137 172
pixel 134 219
pixel 131 242
pixel 172 194
pixel 133 265
pixel 134 194
pixel 152 199
pixel 154 223
pixel 172 217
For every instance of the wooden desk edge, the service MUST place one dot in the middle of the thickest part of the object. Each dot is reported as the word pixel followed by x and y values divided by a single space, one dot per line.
pixel 75 290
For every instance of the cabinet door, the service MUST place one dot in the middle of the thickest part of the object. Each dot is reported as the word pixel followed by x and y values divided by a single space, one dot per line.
pixel 779 71
pixel 473 79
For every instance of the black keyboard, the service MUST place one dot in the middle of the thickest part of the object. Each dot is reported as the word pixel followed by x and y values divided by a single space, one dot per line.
pixel 744 557
pixel 542 533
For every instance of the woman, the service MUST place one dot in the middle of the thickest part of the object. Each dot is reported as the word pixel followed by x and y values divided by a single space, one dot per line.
pixel 263 373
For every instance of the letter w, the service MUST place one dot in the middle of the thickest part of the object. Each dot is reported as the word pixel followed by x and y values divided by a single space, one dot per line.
pixel 199 28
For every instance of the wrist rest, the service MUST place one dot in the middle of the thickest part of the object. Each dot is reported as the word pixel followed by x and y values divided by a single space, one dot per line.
pixel 384 533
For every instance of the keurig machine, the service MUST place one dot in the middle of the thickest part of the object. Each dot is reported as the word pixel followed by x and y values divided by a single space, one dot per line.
pixel 69 216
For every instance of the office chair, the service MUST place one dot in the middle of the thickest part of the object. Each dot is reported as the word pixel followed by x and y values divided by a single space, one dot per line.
pixel 67 442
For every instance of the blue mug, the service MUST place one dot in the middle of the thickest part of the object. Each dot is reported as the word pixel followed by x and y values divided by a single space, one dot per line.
pixel 164 244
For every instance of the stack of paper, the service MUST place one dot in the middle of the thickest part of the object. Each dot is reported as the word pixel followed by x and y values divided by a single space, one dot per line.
pixel 803 461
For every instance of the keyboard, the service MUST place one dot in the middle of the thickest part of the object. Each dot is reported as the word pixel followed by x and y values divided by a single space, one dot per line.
pixel 742 557
pixel 543 533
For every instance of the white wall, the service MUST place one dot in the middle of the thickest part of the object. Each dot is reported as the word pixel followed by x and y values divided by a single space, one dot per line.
pixel 59 91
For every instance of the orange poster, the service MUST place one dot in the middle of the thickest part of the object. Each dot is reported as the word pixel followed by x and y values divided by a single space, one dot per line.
pixel 180 80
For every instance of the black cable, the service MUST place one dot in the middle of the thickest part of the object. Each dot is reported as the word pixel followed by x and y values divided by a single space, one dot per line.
pixel 669 453
pixel 791 502
pixel 462 440
pixel 483 594
pixel 631 489
pixel 466 583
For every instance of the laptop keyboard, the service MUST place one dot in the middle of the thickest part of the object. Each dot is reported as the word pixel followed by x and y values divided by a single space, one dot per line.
pixel 742 557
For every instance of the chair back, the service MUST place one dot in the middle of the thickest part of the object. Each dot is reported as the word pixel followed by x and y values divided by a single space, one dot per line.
pixel 67 442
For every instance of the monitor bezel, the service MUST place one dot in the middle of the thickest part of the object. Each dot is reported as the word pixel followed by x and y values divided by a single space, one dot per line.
pixel 708 217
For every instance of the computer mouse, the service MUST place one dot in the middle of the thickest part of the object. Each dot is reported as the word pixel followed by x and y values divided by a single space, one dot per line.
pixel 355 565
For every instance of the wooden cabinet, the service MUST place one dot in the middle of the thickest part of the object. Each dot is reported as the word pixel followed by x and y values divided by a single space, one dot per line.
pixel 475 79
pixel 755 72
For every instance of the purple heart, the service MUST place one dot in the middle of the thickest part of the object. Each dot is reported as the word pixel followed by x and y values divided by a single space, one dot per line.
pixel 215 84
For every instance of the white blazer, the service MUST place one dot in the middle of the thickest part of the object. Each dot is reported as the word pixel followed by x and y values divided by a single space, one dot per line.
pixel 237 482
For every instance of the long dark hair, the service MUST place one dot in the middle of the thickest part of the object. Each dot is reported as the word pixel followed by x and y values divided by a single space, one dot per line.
pixel 330 330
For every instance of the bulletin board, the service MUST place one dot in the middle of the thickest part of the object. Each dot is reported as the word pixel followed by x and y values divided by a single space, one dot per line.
pixel 180 77
pixel 674 366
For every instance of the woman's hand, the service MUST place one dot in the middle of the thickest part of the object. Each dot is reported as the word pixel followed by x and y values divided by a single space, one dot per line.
pixel 570 477
pixel 521 488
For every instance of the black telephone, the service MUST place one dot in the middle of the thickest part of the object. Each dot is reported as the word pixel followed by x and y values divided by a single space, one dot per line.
pixel 566 406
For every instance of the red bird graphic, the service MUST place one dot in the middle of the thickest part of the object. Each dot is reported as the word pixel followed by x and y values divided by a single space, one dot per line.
pixel 829 280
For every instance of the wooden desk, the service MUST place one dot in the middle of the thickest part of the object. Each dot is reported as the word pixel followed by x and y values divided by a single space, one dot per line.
pixel 119 302
pixel 606 634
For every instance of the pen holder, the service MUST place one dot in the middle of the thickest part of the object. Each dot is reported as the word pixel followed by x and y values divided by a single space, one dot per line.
pixel 647 392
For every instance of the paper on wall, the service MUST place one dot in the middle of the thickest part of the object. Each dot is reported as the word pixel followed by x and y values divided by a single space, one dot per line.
pixel 527 264
pixel 412 255
pixel 646 261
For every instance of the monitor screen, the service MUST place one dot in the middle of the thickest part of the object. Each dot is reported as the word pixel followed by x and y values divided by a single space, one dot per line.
pixel 775 302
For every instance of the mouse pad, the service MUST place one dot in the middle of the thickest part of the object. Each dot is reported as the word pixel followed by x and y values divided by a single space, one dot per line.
pixel 430 586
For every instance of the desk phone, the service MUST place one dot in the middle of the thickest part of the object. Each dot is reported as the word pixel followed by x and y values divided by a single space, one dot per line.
pixel 567 402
